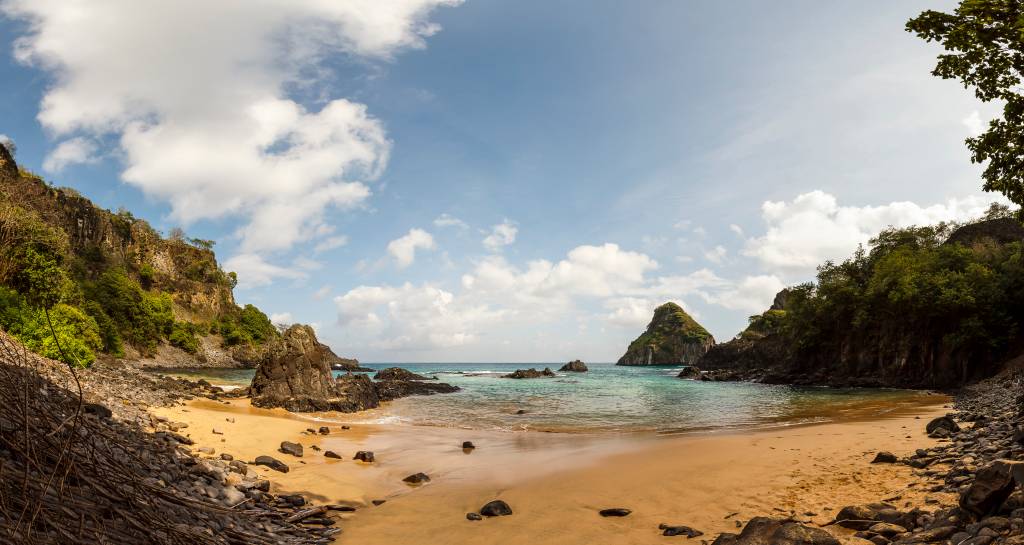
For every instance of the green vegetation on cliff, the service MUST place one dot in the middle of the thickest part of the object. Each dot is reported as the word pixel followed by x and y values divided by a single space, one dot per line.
pixel 667 338
pixel 106 280
pixel 929 306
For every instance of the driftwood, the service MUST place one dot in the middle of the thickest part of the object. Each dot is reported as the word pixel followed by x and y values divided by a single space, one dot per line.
pixel 72 476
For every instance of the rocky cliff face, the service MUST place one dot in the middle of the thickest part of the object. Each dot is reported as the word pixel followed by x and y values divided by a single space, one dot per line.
pixel 672 337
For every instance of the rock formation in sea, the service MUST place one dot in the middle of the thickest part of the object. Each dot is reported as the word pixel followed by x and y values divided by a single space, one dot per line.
pixel 575 366
pixel 672 337
pixel 530 373
pixel 395 382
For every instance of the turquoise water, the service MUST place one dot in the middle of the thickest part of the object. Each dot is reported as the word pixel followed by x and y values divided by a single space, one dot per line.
pixel 608 399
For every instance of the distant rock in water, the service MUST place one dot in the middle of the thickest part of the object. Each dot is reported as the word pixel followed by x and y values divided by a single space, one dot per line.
pixel 690 371
pixel 575 366
pixel 672 337
pixel 395 382
pixel 530 373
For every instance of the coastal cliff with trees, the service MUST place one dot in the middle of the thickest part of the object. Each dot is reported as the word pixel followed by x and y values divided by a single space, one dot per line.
pixel 928 307
pixel 111 285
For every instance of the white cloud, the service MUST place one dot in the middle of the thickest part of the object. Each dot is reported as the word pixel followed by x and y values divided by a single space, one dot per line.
pixel 403 249
pixel 447 220
pixel 630 312
pixel 975 126
pixel 330 243
pixel 736 229
pixel 253 271
pixel 195 95
pixel 410 317
pixel 281 318
pixel 716 255
pixel 323 292
pixel 814 228
pixel 70 152
pixel 501 235
pixel 753 294
pixel 8 142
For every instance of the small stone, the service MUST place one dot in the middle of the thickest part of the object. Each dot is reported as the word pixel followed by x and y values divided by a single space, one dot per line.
pixel 417 478
pixel 473 516
pixel 496 508
pixel 679 531
pixel 206 450
pixel 332 454
pixel 615 512
pixel 324 430
pixel 884 457
pixel 217 432
pixel 378 502
pixel 468 445
pixel 272 463
pixel 226 457
pixel 364 456
pixel 294 449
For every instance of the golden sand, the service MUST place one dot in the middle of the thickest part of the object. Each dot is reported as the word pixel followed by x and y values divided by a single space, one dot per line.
pixel 556 483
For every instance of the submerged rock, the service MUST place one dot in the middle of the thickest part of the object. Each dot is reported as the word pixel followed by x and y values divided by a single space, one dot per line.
pixel 672 337
pixel 395 382
pixel 690 371
pixel 397 373
pixel 575 366
pixel 530 373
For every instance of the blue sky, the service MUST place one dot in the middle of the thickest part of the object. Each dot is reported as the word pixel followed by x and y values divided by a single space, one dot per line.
pixel 435 180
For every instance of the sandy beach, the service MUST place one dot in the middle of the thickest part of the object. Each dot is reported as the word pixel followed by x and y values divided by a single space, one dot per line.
pixel 556 483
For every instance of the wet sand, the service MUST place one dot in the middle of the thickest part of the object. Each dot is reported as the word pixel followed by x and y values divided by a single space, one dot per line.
pixel 556 483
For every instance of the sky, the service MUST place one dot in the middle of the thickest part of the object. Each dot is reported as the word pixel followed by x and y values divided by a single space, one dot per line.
pixel 467 181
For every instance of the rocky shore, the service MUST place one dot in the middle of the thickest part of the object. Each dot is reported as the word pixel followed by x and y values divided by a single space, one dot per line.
pixel 980 460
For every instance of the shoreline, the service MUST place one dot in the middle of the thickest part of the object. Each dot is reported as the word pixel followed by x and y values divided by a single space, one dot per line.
pixel 556 480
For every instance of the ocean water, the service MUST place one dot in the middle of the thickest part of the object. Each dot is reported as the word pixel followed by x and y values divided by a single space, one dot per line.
pixel 608 398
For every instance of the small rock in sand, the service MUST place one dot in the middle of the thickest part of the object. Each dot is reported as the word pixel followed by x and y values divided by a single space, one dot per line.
pixel 417 478
pixel 324 430
pixel 679 531
pixel 496 508
pixel 615 512
pixel 884 457
pixel 364 456
pixel 379 502
pixel 206 450
pixel 473 516
pixel 468 445
pixel 272 463
pixel 332 454
pixel 294 449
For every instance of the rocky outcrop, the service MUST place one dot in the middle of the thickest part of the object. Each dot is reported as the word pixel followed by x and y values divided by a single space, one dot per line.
pixel 672 337
pixel 297 375
pixel 998 231
pixel 530 373
pixel 395 382
pixel 575 366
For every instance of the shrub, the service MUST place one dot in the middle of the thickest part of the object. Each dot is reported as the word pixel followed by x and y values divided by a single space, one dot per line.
pixel 183 335
pixel 142 318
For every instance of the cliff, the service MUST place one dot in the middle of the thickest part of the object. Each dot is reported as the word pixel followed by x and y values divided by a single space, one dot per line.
pixel 925 308
pixel 115 285
pixel 672 337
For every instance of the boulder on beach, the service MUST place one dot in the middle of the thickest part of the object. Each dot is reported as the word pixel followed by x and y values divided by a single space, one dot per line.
pixel 294 449
pixel 530 373
pixel 574 366
pixel 272 463
pixel 296 375
pixel 496 508
pixel 769 531
pixel 672 337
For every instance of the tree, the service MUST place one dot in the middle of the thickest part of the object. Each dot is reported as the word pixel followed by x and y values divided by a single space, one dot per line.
pixel 984 43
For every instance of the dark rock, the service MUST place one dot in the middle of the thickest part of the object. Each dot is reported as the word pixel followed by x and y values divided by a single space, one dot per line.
pixel 615 512
pixel 332 454
pixel 397 373
pixel 296 374
pixel 991 486
pixel 99 410
pixel 417 478
pixel 574 366
pixel 768 531
pixel 473 516
pixel 530 373
pixel 364 456
pixel 496 508
pixel 942 422
pixel 884 457
pixel 679 531
pixel 294 449
pixel 690 371
pixel 1000 231
pixel 272 463
pixel 378 502
pixel 324 430
pixel 468 445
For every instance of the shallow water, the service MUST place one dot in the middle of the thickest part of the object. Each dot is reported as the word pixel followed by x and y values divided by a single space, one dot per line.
pixel 608 398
